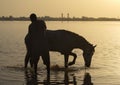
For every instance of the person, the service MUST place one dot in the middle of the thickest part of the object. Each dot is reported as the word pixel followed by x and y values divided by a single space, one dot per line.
pixel 37 44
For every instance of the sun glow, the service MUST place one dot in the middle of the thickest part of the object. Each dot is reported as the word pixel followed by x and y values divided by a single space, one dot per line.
pixel 77 8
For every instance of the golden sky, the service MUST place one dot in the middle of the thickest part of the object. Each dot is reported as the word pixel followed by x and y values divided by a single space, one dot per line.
pixel 54 8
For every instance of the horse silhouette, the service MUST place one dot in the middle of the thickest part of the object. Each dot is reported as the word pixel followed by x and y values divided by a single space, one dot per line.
pixel 64 41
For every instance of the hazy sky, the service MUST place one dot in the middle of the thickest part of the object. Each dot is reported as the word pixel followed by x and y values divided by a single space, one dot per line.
pixel 54 8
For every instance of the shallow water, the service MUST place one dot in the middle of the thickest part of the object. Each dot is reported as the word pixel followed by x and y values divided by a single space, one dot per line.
pixel 105 68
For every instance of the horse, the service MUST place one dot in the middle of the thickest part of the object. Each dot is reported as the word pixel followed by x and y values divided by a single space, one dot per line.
pixel 64 41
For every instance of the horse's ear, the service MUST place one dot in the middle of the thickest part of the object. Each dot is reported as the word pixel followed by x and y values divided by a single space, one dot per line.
pixel 94 46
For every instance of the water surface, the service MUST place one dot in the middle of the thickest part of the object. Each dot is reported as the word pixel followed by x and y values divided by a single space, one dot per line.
pixel 105 68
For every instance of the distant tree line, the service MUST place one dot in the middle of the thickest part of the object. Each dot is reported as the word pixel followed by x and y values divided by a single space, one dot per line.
pixel 11 18
pixel 48 18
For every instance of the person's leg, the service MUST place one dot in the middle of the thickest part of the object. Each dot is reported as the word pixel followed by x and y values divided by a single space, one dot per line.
pixel 36 60
pixel 28 48
pixel 27 58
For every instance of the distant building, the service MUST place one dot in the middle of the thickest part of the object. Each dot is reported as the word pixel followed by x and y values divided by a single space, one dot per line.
pixel 61 15
pixel 68 15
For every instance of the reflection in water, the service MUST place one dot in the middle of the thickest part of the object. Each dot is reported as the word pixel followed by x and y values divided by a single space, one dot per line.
pixel 87 79
pixel 32 79
pixel 67 81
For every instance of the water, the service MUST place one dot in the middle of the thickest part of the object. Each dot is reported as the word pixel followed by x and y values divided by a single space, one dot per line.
pixel 105 68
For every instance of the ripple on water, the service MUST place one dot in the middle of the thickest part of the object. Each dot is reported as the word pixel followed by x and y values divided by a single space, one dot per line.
pixel 10 75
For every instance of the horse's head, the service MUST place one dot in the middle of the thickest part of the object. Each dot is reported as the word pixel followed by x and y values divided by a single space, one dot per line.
pixel 87 54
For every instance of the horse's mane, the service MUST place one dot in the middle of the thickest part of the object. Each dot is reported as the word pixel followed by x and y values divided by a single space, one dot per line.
pixel 77 36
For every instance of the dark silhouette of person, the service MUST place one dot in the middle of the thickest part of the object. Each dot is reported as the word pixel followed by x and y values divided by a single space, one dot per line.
pixel 37 44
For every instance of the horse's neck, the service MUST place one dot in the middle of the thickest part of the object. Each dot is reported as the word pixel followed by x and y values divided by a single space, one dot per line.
pixel 84 45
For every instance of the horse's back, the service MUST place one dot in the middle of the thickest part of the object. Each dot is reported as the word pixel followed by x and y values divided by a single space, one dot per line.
pixel 61 34
pixel 62 40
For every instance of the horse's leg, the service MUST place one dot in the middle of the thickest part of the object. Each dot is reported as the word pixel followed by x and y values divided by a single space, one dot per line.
pixel 46 60
pixel 32 61
pixel 66 60
pixel 75 56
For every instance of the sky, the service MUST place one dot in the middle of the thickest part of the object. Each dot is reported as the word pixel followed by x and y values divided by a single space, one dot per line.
pixel 54 8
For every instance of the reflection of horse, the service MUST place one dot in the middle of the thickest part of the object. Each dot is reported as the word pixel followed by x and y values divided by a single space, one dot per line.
pixel 32 79
pixel 64 42
pixel 87 79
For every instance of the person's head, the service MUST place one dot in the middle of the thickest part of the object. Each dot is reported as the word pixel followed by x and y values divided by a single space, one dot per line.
pixel 33 17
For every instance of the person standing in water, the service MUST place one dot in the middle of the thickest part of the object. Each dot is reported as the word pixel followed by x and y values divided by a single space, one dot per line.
pixel 37 45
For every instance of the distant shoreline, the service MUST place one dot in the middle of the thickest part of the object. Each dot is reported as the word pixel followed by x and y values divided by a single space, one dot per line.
pixel 48 18
pixel 63 20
